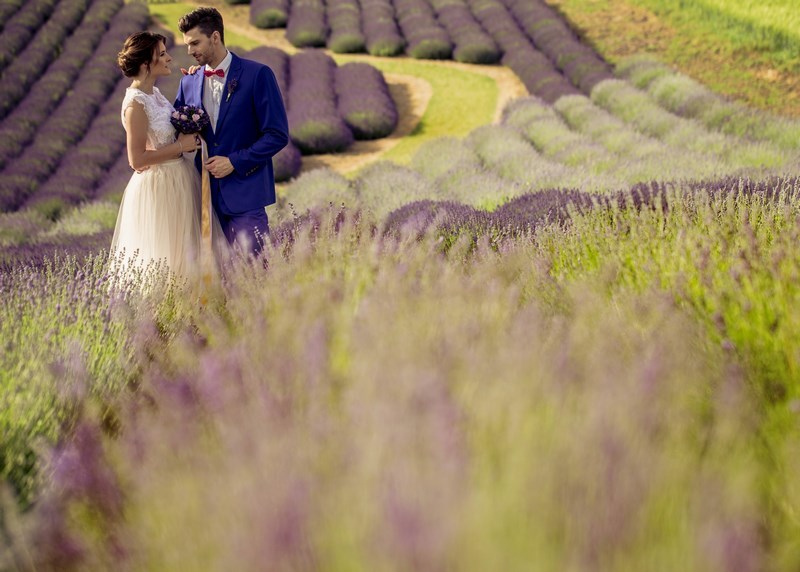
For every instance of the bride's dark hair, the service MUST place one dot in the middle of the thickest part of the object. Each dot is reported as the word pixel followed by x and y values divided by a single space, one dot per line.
pixel 140 48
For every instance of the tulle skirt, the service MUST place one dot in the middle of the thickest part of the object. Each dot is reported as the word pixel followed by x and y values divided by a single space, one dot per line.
pixel 159 219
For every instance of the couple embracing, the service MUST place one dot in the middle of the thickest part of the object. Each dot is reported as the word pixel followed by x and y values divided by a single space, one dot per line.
pixel 159 217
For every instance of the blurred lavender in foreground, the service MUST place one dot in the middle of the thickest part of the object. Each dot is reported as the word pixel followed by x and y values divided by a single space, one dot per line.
pixel 614 405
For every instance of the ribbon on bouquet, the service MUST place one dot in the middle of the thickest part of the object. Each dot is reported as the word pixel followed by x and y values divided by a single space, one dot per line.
pixel 206 245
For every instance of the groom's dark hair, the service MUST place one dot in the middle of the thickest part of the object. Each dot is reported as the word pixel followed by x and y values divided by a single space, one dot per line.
pixel 208 20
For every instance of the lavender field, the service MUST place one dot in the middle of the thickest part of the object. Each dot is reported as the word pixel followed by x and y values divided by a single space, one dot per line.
pixel 569 340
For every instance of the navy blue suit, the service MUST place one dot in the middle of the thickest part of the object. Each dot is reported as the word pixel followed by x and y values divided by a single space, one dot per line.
pixel 251 128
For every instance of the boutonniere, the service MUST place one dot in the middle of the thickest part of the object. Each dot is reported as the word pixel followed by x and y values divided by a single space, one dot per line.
pixel 232 85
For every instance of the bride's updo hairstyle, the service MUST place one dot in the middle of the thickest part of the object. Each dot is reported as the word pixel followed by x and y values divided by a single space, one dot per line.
pixel 139 49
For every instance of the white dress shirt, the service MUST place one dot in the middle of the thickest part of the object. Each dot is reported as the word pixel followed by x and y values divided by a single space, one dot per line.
pixel 212 91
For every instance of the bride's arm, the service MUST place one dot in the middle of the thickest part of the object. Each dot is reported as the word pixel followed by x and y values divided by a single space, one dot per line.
pixel 139 157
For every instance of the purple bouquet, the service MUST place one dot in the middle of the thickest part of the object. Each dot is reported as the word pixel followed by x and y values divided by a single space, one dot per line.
pixel 189 119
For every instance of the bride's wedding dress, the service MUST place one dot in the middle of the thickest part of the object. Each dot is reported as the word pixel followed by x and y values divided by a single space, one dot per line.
pixel 159 217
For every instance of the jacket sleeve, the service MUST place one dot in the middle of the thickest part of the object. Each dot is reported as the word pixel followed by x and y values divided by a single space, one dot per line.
pixel 272 123
pixel 180 99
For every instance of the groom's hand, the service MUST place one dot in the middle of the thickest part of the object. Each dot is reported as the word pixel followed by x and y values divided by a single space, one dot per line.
pixel 219 166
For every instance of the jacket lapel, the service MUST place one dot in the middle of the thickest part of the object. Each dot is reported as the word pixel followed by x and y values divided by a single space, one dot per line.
pixel 199 88
pixel 229 92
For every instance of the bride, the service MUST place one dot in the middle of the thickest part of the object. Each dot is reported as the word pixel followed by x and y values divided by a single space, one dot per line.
pixel 159 217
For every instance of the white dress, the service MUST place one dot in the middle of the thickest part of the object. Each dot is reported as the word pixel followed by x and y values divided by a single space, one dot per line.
pixel 159 217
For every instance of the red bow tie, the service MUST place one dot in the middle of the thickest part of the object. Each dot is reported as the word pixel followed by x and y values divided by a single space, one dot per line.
pixel 209 73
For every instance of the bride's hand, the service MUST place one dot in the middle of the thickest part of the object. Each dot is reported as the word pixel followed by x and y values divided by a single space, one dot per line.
pixel 189 143
pixel 191 71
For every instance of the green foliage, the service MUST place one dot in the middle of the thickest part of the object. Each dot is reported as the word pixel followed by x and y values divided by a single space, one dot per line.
pixel 369 124
pixel 347 43
pixel 477 54
pixel 430 50
pixel 309 37
pixel 87 219
pixel 317 188
pixel 385 48
pixel 270 18
pixel 729 260
pixel 19 227
pixel 315 136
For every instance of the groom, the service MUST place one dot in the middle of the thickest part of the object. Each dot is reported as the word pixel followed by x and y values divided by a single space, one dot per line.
pixel 248 127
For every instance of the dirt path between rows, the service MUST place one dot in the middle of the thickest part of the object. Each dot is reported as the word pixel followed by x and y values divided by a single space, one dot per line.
pixel 411 94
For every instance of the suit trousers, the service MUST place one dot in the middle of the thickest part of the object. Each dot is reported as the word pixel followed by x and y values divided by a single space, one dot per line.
pixel 249 230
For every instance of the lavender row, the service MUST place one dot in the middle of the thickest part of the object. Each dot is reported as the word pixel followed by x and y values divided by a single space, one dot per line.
pixel 18 31
pixel 381 33
pixel 344 19
pixel 7 9
pixel 314 122
pixel 86 163
pixel 269 13
pixel 426 38
pixel 307 27
pixel 684 96
pixel 287 163
pixel 68 123
pixel 63 246
pixel 115 179
pixel 19 128
pixel 32 61
pixel 472 44
pixel 364 101
pixel 532 67
pixel 551 35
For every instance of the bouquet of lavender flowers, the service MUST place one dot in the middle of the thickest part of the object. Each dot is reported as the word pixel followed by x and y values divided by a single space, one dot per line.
pixel 189 119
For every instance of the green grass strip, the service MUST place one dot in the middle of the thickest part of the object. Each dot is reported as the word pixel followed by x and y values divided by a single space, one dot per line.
pixel 763 26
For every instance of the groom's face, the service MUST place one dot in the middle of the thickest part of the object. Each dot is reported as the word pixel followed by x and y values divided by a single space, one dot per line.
pixel 204 49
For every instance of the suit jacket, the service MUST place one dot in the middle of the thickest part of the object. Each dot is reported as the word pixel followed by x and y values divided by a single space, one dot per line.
pixel 251 129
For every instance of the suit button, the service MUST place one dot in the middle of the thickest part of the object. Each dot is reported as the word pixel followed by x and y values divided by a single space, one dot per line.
pixel 216 144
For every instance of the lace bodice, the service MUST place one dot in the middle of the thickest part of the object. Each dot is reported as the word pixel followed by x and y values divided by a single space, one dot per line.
pixel 160 131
